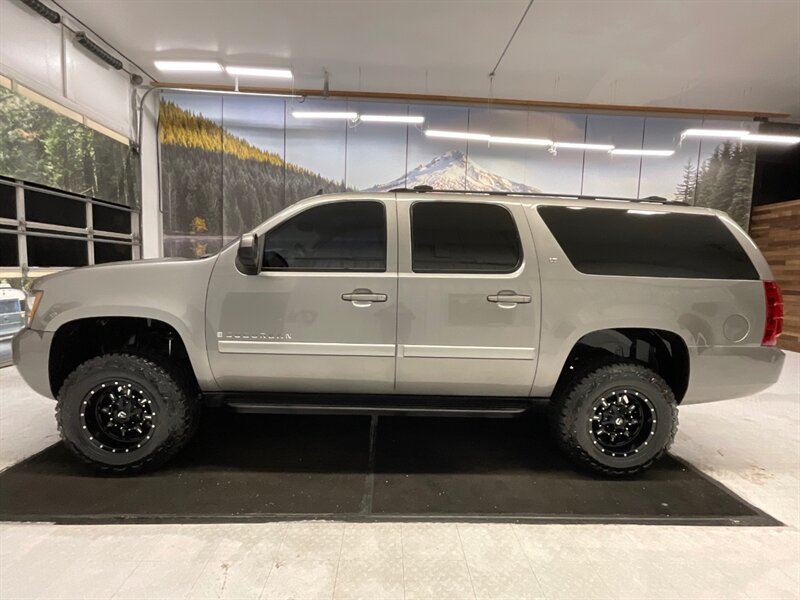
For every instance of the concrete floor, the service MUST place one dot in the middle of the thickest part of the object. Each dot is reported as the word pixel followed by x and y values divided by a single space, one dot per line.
pixel 752 445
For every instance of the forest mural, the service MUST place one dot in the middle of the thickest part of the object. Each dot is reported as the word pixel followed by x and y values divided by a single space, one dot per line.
pixel 39 145
pixel 724 181
pixel 229 163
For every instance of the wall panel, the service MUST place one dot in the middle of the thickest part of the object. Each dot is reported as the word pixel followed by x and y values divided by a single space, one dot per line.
pixel 776 230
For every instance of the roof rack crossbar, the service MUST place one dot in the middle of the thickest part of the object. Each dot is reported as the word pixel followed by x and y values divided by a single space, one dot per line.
pixel 649 199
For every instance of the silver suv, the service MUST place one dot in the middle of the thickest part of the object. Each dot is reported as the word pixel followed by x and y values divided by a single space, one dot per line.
pixel 416 302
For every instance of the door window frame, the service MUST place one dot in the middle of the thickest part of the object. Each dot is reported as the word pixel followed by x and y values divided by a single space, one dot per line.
pixel 407 265
pixel 390 229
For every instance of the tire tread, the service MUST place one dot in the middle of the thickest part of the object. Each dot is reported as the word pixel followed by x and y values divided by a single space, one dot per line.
pixel 173 385
pixel 567 403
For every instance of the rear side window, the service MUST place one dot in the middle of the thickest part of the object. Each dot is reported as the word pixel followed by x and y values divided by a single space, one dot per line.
pixel 603 241
pixel 463 237
pixel 340 236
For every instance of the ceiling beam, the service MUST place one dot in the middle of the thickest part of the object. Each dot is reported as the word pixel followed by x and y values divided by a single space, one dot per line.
pixel 492 102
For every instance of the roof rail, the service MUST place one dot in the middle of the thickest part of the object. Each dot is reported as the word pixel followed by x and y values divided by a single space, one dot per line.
pixel 423 189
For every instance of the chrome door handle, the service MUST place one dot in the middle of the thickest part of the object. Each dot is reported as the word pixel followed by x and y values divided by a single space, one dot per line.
pixel 508 299
pixel 362 297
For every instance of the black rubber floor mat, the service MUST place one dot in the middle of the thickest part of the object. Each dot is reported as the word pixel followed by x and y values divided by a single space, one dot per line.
pixel 264 467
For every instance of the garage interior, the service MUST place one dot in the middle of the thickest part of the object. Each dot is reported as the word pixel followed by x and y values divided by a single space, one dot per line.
pixel 143 129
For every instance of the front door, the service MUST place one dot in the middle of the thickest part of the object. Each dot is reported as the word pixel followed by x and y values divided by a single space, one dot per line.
pixel 321 314
pixel 468 318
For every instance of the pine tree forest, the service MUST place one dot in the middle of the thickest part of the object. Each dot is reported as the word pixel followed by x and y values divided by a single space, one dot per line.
pixel 202 163
pixel 724 181
pixel 41 146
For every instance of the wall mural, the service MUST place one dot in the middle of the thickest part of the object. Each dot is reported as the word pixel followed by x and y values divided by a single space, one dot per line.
pixel 230 162
pixel 39 145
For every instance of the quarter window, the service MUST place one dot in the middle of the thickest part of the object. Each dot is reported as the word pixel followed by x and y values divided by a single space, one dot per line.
pixel 339 236
pixel 463 237
pixel 641 243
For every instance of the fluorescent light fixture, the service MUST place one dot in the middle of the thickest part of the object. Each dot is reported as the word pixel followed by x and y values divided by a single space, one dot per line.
pixel 391 119
pixel 519 141
pixel 760 138
pixel 577 146
pixel 188 65
pixel 321 114
pixel 457 135
pixel 716 133
pixel 259 72
pixel 635 152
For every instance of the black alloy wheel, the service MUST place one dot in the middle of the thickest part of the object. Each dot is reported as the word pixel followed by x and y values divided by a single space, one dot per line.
pixel 622 422
pixel 617 418
pixel 118 416
pixel 124 413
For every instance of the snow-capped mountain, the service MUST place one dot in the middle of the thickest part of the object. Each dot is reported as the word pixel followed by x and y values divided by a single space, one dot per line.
pixel 450 171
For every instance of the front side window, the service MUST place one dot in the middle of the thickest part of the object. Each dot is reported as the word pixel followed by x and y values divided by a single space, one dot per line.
pixel 340 236
pixel 463 237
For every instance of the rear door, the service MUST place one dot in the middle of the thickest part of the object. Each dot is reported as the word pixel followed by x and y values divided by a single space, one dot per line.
pixel 469 301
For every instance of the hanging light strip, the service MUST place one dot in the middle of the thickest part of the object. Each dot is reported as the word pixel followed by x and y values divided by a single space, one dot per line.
pixel 641 152
pixel 577 146
pixel 519 141
pixel 392 119
pixel 457 135
pixel 715 133
pixel 759 138
pixel 319 114
pixel 259 72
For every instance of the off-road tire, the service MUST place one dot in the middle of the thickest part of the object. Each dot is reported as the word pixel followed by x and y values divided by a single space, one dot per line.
pixel 573 405
pixel 172 393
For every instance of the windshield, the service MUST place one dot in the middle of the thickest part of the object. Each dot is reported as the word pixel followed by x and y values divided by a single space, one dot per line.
pixel 9 306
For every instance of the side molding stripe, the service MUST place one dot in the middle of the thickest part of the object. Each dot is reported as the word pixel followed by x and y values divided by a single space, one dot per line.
pixel 483 352
pixel 304 348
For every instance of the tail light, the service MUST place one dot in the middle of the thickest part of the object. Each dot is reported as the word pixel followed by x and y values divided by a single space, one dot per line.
pixel 773 326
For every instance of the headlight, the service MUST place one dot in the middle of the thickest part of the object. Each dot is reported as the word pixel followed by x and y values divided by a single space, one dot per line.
pixel 33 305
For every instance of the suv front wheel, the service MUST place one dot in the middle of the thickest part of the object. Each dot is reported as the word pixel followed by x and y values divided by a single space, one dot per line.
pixel 123 413
pixel 616 419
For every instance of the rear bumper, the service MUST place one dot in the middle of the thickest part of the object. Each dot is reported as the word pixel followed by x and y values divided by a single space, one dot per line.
pixel 722 373
pixel 31 351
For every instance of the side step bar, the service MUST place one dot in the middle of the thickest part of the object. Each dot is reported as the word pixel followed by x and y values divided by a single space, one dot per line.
pixel 383 405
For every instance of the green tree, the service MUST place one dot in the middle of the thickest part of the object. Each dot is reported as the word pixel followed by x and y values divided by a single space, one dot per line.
pixel 686 188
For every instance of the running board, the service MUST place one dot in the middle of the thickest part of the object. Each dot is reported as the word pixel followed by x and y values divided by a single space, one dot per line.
pixel 383 405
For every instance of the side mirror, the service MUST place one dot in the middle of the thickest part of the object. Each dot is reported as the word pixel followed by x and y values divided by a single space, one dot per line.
pixel 247 254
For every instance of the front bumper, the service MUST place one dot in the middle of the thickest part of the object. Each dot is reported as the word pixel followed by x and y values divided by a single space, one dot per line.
pixel 722 373
pixel 31 351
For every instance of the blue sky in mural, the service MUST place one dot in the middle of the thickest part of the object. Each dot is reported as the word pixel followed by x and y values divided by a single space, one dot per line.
pixel 376 152
pixel 660 175
pixel 605 174
pixel 208 105
pixel 535 165
pixel 259 120
pixel 317 144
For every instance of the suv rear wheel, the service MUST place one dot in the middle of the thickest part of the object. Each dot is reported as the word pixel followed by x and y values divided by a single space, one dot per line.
pixel 616 419
pixel 123 413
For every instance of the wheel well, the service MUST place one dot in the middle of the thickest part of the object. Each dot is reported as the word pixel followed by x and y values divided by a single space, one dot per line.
pixel 77 341
pixel 664 352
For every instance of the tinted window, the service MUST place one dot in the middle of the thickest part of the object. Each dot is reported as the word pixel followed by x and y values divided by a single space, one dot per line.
pixel 106 218
pixel 636 242
pixel 57 252
pixel 8 202
pixel 9 250
pixel 341 236
pixel 44 208
pixel 463 237
pixel 104 252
